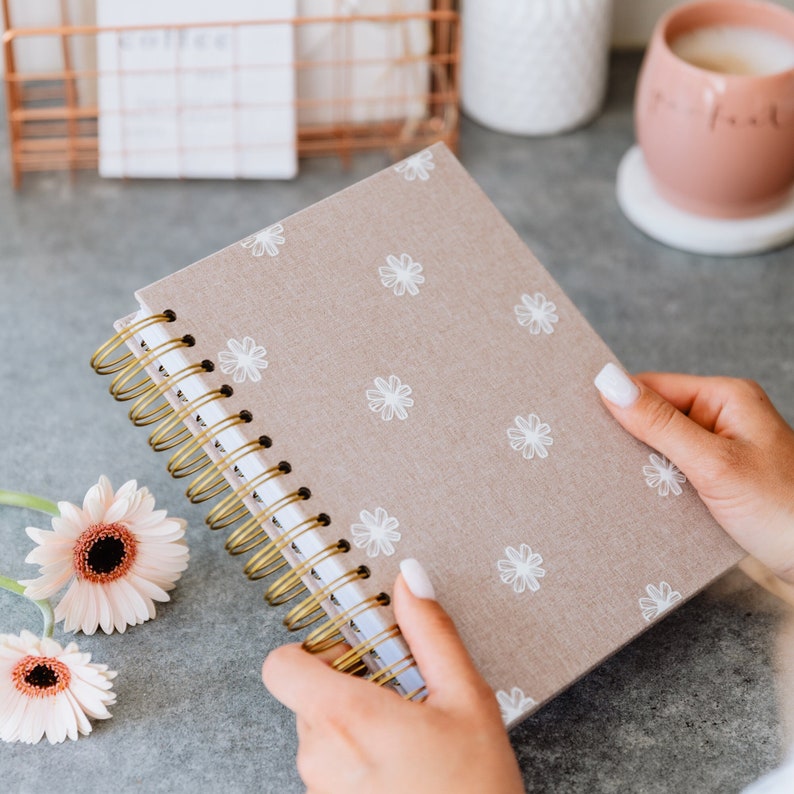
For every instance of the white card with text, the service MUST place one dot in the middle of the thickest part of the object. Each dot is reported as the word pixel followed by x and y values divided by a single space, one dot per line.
pixel 180 96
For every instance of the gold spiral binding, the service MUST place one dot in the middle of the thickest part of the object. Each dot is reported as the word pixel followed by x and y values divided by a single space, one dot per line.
pixel 390 673
pixel 351 662
pixel 141 387
pixel 144 413
pixel 352 658
pixel 310 610
pixel 101 367
pixel 290 584
pixel 330 632
pixel 151 406
pixel 252 534
pixel 214 483
pixel 191 458
pixel 171 432
pixel 418 695
pixel 269 560
pixel 122 389
pixel 356 666
pixel 232 508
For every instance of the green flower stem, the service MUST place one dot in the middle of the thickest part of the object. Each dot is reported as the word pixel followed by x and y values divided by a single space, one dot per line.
pixel 44 605
pixel 16 499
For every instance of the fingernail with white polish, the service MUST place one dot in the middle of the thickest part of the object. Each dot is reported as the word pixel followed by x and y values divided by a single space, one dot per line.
pixel 417 579
pixel 617 386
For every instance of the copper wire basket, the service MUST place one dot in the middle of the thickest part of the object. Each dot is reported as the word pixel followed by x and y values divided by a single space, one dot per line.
pixel 54 115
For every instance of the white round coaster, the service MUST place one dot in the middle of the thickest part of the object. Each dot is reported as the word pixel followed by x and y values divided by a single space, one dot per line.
pixel 648 211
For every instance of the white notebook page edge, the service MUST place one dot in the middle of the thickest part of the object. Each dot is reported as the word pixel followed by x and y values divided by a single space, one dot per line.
pixel 392 651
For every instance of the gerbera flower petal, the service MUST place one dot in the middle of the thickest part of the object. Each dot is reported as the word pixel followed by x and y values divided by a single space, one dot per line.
pixel 151 564
pixel 60 721
pixel 127 491
pixel 116 512
pixel 149 589
pixel 139 608
pixel 105 614
pixel 122 612
pixel 97 498
pixel 115 557
pixel 71 608
pixel 37 535
pixel 79 721
pixel 49 553
pixel 13 710
pixel 39 589
pixel 170 535
pixel 55 582
pixel 82 607
pixel 159 578
pixel 70 521
pixel 46 690
pixel 90 696
pixel 163 551
pixel 153 519
pixel 91 609
pixel 140 509
pixel 56 569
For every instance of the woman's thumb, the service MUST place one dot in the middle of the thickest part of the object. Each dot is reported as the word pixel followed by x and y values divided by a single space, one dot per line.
pixel 655 421
pixel 432 637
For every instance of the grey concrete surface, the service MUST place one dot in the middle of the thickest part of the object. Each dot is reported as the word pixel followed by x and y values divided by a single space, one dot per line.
pixel 692 706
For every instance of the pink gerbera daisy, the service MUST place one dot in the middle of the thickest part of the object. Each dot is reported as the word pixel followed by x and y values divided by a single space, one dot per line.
pixel 118 555
pixel 49 690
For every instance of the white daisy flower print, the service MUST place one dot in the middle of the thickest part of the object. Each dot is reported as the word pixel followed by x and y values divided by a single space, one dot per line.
pixel 659 600
pixel 243 360
pixel 417 166
pixel 401 275
pixel 514 705
pixel 663 475
pixel 522 569
pixel 377 533
pixel 390 398
pixel 47 690
pixel 538 313
pixel 265 241
pixel 116 555
pixel 530 437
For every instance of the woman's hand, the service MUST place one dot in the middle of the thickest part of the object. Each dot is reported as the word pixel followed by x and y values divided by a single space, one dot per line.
pixel 737 452
pixel 730 442
pixel 355 736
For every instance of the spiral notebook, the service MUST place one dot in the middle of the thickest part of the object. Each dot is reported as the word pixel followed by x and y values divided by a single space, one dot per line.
pixel 391 373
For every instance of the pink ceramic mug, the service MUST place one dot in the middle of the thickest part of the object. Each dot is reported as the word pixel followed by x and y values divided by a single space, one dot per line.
pixel 717 144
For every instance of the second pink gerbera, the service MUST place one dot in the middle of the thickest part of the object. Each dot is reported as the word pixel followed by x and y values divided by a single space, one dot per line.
pixel 117 555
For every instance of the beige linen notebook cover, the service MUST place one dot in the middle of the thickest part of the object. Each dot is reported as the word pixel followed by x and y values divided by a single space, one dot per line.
pixel 431 385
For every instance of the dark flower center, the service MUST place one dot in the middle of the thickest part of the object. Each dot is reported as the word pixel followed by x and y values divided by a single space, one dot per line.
pixel 104 553
pixel 40 676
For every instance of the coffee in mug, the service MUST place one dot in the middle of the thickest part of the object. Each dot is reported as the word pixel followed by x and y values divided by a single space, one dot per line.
pixel 714 110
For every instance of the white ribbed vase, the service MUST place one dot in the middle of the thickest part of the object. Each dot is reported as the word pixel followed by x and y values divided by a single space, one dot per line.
pixel 534 67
